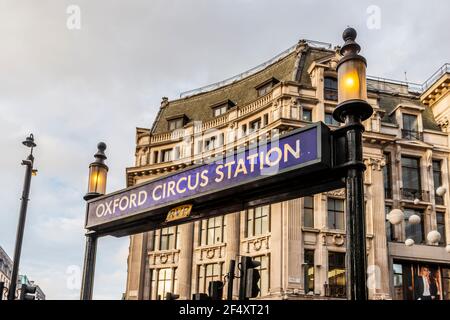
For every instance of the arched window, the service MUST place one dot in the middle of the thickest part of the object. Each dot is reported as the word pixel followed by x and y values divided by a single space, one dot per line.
pixel 331 89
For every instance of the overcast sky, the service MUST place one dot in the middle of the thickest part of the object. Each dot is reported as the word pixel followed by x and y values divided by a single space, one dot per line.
pixel 75 87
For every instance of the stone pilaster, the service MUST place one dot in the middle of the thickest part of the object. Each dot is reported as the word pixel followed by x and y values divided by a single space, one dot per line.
pixel 276 248
pixel 184 271
pixel 232 222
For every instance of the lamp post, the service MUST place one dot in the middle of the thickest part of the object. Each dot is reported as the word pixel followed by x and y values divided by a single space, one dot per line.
pixel 98 172
pixel 352 109
pixel 29 142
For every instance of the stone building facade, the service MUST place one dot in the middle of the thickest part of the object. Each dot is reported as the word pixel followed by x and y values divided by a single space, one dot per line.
pixel 301 243
pixel 6 265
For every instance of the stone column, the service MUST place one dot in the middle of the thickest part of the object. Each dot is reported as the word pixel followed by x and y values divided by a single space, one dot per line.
pixel 184 271
pixel 232 234
pixel 276 248
pixel 135 267
pixel 147 271
pixel 294 244
pixel 380 270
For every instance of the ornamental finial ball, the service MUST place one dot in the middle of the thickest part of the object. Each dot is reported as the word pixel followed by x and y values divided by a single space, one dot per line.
pixel 349 34
pixel 101 146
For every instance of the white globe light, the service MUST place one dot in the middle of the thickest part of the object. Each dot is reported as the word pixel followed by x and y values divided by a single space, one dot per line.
pixel 409 242
pixel 396 216
pixel 433 236
pixel 414 219
pixel 416 201
pixel 441 191
pixel 447 248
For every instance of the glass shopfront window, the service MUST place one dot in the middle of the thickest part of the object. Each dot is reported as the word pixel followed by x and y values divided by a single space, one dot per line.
pixel 420 281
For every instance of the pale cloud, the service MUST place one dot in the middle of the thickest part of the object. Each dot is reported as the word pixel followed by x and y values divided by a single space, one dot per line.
pixel 73 88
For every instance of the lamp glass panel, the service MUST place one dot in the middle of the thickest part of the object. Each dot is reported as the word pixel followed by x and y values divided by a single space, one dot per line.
pixel 97 179
pixel 352 81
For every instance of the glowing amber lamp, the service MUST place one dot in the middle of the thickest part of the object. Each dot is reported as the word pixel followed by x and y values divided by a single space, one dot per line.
pixel 98 172
pixel 352 81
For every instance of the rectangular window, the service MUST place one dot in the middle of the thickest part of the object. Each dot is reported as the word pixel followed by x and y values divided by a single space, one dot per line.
pixel 398 281
pixel 410 122
pixel 307 115
pixel 440 220
pixel 329 120
pixel 176 124
pixel 330 89
pixel 220 110
pixel 390 228
pixel 243 130
pixel 167 155
pixel 164 283
pixel 336 274
pixel 414 231
pixel 155 157
pixel 263 269
pixel 265 119
pixel 210 144
pixel 411 178
pixel 437 179
pixel 265 89
pixel 336 217
pixel 309 270
pixel 255 125
pixel 258 221
pixel 308 212
pixel 212 230
pixel 167 239
pixel 387 176
pixel 206 273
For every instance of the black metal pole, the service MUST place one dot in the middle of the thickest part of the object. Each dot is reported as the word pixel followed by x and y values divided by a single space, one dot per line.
pixel 21 226
pixel 356 259
pixel 231 279
pixel 87 284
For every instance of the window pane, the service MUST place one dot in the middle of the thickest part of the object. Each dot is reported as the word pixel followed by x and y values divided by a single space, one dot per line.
pixel 307 115
pixel 411 173
pixel 440 219
pixel 414 231
pixel 336 274
pixel 410 122
pixel 308 212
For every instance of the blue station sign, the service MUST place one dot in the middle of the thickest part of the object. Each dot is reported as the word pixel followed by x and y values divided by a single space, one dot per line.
pixel 303 150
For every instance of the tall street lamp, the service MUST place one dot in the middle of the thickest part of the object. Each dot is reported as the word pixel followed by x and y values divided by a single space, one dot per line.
pixel 98 172
pixel 29 142
pixel 352 109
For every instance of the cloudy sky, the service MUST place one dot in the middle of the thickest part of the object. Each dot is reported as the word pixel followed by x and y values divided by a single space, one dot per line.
pixel 75 87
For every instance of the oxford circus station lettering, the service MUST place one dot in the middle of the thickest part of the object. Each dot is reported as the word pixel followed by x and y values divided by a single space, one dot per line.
pixel 219 173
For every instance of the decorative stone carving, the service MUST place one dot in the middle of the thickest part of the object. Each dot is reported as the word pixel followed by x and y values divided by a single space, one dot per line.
pixel 340 193
pixel 338 240
pixel 375 163
pixel 257 244
pixel 443 123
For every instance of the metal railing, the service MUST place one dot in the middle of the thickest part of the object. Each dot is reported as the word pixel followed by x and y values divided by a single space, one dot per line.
pixel 435 76
pixel 412 135
pixel 412 194
pixel 335 291
pixel 210 87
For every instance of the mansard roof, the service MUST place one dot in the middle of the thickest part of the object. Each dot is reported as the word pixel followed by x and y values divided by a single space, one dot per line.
pixel 292 66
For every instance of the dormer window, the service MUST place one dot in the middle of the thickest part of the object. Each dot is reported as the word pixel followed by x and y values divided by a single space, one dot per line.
pixel 266 86
pixel 222 107
pixel 330 89
pixel 176 122
pixel 410 127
